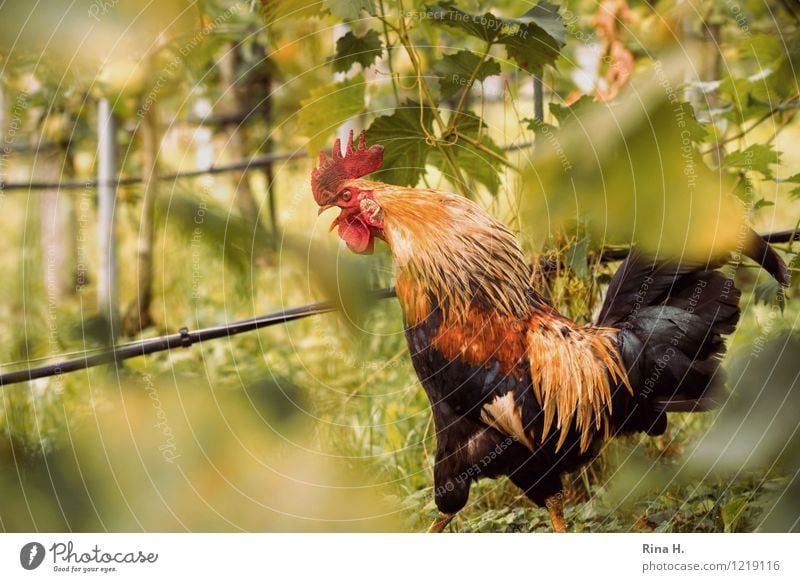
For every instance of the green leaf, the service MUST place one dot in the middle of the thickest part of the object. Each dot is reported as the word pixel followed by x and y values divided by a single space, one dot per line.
pixel 353 49
pixel 350 9
pixel 686 120
pixel 766 49
pixel 405 141
pixel 538 40
pixel 564 113
pixel 327 107
pixel 784 81
pixel 532 40
pixel 794 179
pixel 758 157
pixel 761 203
pixel 546 16
pixel 540 128
pixel 486 27
pixel 455 71
pixel 577 258
pixel 732 513
pixel 477 165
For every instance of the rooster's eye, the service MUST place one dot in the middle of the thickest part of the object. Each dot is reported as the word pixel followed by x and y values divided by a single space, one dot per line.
pixel 346 195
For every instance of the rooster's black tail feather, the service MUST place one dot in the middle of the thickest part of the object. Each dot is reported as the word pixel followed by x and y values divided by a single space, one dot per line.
pixel 671 318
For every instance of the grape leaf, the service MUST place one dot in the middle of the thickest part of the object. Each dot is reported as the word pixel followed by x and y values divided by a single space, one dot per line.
pixel 327 107
pixel 577 258
pixel 538 40
pixel 486 27
pixel 476 164
pixel 793 179
pixel 532 40
pixel 403 137
pixel 784 80
pixel 546 16
pixel 564 113
pixel 454 71
pixel 758 157
pixel 688 121
pixel 353 49
pixel 540 128
pixel 766 49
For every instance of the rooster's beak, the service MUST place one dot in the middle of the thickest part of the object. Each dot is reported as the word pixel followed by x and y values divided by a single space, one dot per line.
pixel 324 208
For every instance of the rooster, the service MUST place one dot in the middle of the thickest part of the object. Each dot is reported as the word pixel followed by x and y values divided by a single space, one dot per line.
pixel 515 387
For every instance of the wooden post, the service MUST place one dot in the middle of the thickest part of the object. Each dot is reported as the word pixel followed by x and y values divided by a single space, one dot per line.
pixel 138 315
pixel 107 303
pixel 236 102
pixel 538 99
pixel 269 169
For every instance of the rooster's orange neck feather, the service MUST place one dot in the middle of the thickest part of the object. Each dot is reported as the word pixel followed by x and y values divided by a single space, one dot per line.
pixel 450 251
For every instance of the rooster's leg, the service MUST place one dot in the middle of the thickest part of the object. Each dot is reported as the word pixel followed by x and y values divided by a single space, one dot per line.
pixel 555 506
pixel 441 522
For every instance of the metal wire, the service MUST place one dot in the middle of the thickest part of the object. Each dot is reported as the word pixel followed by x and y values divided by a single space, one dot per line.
pixel 183 339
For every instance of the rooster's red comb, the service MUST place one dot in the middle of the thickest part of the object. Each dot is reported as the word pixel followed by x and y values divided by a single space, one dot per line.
pixel 357 161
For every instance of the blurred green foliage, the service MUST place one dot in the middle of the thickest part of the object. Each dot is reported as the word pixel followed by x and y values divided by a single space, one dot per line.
pixel 321 424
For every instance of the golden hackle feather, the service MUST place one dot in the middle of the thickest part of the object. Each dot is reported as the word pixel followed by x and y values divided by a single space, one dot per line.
pixel 455 251
pixel 574 370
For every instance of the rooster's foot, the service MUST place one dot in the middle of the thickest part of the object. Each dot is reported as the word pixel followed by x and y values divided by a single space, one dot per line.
pixel 441 522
